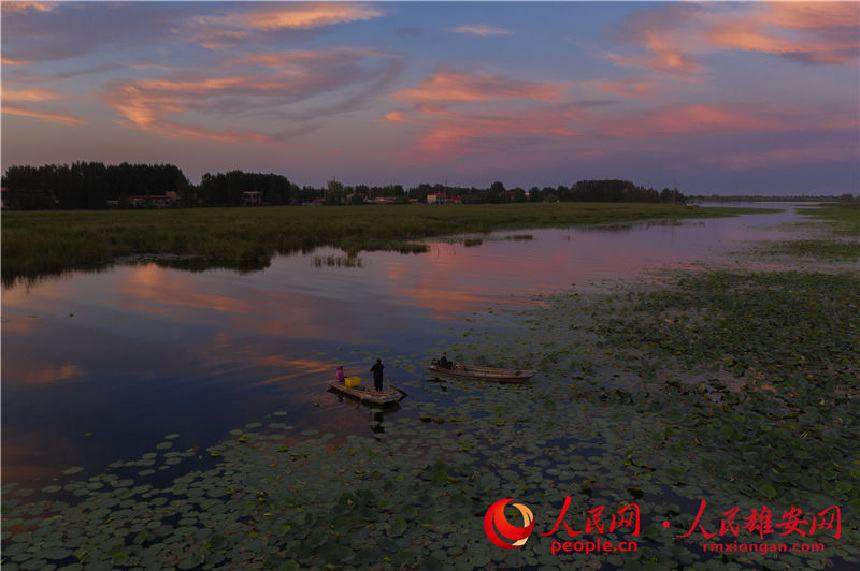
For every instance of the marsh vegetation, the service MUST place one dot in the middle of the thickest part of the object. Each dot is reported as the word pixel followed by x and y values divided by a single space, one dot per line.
pixel 729 386
pixel 38 243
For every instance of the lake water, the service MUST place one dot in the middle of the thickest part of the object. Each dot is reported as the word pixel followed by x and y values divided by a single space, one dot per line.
pixel 100 366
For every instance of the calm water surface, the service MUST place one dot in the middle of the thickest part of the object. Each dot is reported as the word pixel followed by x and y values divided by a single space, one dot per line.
pixel 100 366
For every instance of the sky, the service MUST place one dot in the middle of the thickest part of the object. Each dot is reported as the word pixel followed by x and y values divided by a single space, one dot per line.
pixel 714 97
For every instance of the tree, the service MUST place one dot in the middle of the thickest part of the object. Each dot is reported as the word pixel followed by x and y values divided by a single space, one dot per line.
pixel 92 184
pixel 420 192
pixel 496 192
pixel 228 189
pixel 519 195
pixel 22 177
pixel 334 192
pixel 309 193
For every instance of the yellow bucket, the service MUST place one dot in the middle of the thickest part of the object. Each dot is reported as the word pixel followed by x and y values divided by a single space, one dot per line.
pixel 352 381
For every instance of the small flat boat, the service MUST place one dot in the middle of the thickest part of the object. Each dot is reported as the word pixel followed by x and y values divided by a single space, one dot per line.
pixel 483 373
pixel 369 396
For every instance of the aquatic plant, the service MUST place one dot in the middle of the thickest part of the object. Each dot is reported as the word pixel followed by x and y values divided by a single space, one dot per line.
pixel 730 386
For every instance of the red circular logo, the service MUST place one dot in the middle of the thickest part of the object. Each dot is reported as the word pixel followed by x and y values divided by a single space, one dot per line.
pixel 503 534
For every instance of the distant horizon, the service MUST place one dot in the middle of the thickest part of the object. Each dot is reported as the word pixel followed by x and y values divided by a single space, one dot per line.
pixel 347 184
pixel 726 98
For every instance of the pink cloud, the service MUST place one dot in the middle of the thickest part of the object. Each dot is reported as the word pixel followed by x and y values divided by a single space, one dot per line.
pixel 638 87
pixel 666 36
pixel 673 36
pixel 694 120
pixel 221 39
pixel 457 113
pixel 29 95
pixel 224 31
pixel 396 117
pixel 448 86
pixel 719 119
pixel 450 125
pixel 818 32
pixel 24 102
pixel 270 88
pixel 663 57
pixel 812 15
pixel 309 16
pixel 42 115
pixel 144 104
pixel 20 7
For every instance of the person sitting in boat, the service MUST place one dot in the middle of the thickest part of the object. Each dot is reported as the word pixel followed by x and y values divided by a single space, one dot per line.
pixel 444 362
pixel 339 374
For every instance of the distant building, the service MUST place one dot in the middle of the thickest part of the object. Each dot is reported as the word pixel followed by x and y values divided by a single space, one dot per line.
pixel 152 200
pixel 437 198
pixel 252 198
pixel 357 198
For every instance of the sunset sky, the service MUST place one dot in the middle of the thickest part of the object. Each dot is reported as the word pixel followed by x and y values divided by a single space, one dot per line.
pixel 724 97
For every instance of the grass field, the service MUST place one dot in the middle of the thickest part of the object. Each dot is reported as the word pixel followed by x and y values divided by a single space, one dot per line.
pixel 39 243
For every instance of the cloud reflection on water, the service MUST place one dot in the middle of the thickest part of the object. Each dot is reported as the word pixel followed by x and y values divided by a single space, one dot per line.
pixel 141 351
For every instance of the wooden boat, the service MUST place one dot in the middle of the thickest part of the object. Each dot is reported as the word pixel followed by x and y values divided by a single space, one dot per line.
pixel 484 373
pixel 368 396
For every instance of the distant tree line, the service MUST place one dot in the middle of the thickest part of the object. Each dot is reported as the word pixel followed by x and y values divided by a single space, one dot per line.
pixel 846 197
pixel 93 185
pixel 609 190
pixel 228 189
pixel 87 185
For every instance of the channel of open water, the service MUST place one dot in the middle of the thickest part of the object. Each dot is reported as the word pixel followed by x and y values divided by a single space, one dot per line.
pixel 101 366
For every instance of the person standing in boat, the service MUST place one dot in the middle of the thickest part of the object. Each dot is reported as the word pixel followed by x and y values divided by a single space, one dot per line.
pixel 377 374
pixel 339 376
pixel 444 362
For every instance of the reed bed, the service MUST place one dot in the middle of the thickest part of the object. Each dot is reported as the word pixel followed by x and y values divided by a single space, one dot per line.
pixel 38 243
